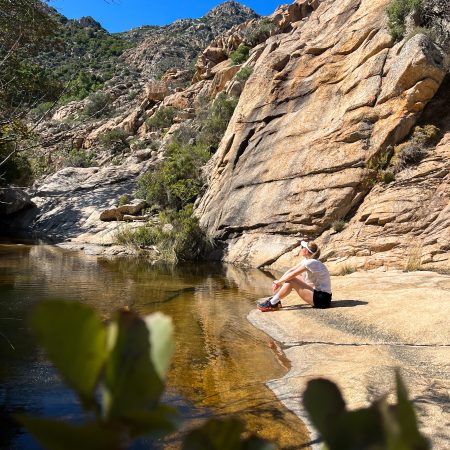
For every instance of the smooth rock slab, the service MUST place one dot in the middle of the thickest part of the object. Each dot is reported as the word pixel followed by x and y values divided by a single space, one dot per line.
pixel 379 321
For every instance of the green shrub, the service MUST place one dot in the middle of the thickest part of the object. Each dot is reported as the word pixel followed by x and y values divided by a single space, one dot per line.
pixel 214 120
pixel 240 55
pixel 163 118
pixel 387 176
pixel 16 169
pixel 338 225
pixel 259 31
pixel 79 158
pixel 177 181
pixel 98 105
pixel 397 13
pixel 80 87
pixel 43 110
pixel 115 138
pixel 244 73
pixel 123 200
pixel 177 236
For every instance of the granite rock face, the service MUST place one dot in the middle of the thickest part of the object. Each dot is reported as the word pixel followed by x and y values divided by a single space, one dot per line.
pixel 323 106
pixel 68 204
pixel 364 337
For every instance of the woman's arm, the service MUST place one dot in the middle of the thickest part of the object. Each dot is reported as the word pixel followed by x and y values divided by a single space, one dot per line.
pixel 291 273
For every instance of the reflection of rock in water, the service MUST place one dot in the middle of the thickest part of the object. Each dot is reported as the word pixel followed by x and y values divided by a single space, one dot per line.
pixel 221 361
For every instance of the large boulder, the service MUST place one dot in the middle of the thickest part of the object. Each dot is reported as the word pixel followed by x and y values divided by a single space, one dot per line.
pixel 323 105
pixel 13 199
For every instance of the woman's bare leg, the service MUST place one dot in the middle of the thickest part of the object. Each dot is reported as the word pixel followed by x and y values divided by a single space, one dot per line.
pixel 304 290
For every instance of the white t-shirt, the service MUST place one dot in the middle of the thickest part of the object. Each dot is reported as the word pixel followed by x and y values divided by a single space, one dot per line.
pixel 317 275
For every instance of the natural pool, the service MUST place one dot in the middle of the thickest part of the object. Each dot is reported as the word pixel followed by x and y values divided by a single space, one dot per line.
pixel 220 365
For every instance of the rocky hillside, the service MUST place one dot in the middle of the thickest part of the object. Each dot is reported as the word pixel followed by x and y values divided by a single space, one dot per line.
pixel 340 135
pixel 311 149
pixel 176 46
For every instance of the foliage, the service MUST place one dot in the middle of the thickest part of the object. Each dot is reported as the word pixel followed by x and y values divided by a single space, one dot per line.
pixel 123 200
pixel 397 12
pixel 27 83
pixel 84 56
pixel 15 168
pixel 346 269
pixel 386 176
pixel 125 361
pixel 98 105
pixel 43 109
pixel 177 236
pixel 259 31
pixel 118 371
pixel 163 118
pixel 240 55
pixel 379 426
pixel 414 260
pixel 415 148
pixel 79 158
pixel 214 119
pixel 25 23
pixel 115 138
pixel 81 86
pixel 177 181
pixel 244 73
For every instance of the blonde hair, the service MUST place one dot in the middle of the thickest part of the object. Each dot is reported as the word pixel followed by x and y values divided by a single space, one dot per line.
pixel 315 249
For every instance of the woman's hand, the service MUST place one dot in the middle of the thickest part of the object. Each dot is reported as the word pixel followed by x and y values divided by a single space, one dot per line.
pixel 275 285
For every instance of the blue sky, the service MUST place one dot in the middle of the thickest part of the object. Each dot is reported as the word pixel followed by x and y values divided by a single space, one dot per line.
pixel 122 15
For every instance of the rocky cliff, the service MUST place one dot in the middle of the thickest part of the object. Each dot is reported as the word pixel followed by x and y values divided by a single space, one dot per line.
pixel 341 135
pixel 313 134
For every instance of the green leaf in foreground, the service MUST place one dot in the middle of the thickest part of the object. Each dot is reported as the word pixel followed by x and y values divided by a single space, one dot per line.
pixel 223 435
pixel 401 423
pixel 132 386
pixel 324 403
pixel 75 341
pixel 57 435
pixel 161 342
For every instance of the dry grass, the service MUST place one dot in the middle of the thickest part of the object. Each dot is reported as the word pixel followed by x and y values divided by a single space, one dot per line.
pixel 414 260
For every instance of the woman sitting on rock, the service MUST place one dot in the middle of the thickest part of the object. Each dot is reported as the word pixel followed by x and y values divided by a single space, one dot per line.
pixel 310 278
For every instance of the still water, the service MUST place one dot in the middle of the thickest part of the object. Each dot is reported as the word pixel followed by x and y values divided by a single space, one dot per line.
pixel 221 362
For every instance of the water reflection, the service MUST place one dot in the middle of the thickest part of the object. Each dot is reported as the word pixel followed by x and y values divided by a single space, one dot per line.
pixel 221 362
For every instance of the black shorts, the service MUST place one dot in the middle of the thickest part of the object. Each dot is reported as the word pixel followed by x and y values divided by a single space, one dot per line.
pixel 321 299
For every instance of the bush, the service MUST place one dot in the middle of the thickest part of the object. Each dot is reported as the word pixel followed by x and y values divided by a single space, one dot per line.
pixel 240 55
pixel 79 158
pixel 177 236
pixel 123 199
pixel 98 105
pixel 214 120
pixel 259 31
pixel 16 169
pixel 163 118
pixel 178 180
pixel 116 138
pixel 387 176
pixel 43 110
pixel 338 225
pixel 244 73
pixel 415 149
pixel 397 13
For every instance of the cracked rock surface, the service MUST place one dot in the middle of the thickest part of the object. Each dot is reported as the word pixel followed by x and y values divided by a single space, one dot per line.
pixel 323 104
pixel 380 321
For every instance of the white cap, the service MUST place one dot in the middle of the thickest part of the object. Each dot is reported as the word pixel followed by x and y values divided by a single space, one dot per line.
pixel 305 245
